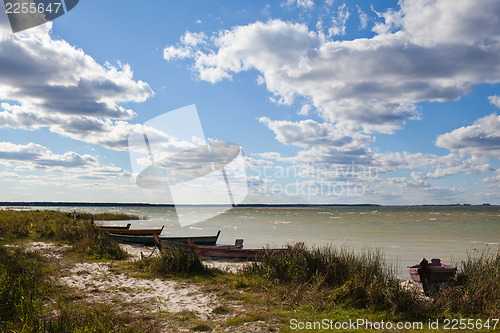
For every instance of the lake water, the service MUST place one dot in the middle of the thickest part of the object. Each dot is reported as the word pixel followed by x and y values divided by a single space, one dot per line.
pixel 404 234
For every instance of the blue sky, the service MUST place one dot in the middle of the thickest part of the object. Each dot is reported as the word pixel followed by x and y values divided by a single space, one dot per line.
pixel 332 102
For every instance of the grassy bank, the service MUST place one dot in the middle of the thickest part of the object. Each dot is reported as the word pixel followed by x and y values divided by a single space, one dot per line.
pixel 307 284
pixel 29 301
pixel 313 284
pixel 75 229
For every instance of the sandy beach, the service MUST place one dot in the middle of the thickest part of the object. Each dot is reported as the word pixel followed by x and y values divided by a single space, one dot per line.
pixel 107 283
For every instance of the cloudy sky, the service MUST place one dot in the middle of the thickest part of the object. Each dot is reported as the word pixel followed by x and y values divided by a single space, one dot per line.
pixel 332 102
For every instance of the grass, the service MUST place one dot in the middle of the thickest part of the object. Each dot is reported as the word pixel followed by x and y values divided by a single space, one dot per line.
pixel 107 216
pixel 46 225
pixel 20 285
pixel 29 302
pixel 476 290
pixel 174 262
pixel 338 277
pixel 305 283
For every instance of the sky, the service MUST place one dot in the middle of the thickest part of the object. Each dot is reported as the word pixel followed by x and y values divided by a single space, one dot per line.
pixel 333 102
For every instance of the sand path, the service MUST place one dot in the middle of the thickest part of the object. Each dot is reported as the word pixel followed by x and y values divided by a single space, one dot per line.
pixel 103 282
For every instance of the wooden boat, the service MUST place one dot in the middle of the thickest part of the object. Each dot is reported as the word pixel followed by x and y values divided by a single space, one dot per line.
pixel 438 272
pixel 138 232
pixel 114 228
pixel 231 253
pixel 149 239
pixel 165 245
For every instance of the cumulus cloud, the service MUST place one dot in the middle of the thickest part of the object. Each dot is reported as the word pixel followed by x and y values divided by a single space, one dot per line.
pixel 308 133
pixel 481 139
pixel 49 83
pixel 425 51
pixel 42 157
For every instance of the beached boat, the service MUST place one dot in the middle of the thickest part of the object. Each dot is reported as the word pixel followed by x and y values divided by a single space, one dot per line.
pixel 149 240
pixel 231 253
pixel 114 228
pixel 438 272
pixel 138 232
pixel 165 245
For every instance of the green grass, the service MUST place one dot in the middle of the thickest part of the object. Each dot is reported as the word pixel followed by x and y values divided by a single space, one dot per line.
pixel 29 300
pixel 82 234
pixel 476 290
pixel 21 283
pixel 338 277
pixel 174 262
pixel 107 216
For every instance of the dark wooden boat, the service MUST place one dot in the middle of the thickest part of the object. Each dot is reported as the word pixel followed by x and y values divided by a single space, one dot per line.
pixel 165 245
pixel 438 272
pixel 231 253
pixel 138 232
pixel 114 228
pixel 149 239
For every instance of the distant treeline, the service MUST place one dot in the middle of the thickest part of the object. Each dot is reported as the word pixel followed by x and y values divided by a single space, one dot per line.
pixel 120 204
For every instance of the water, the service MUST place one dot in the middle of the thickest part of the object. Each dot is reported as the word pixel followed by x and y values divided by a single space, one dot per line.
pixel 403 234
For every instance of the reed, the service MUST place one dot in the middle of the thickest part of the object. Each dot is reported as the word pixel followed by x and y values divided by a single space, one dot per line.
pixel 21 284
pixel 360 280
pixel 48 225
pixel 476 290
pixel 175 261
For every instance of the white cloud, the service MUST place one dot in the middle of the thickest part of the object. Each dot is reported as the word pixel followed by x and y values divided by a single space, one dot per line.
pixel 481 139
pixel 495 100
pixel 49 83
pixel 42 157
pixel 308 133
pixel 373 83
pixel 304 110
pixel 430 23
pixel 307 4
pixel 363 19
pixel 338 22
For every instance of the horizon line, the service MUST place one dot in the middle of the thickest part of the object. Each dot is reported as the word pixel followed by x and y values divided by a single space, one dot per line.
pixel 135 204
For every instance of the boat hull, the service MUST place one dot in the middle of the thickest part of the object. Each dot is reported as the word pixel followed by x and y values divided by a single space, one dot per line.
pixel 438 273
pixel 149 240
pixel 137 232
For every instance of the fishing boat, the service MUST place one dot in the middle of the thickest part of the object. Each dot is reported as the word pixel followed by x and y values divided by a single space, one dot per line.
pixel 149 239
pixel 114 228
pixel 438 272
pixel 138 232
pixel 231 253
pixel 165 245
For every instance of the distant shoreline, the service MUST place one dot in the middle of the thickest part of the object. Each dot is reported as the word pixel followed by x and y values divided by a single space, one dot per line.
pixel 240 206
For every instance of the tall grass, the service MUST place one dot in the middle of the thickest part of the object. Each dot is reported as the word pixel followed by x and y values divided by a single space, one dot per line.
pixel 174 261
pixel 106 216
pixel 85 237
pixel 20 285
pixel 476 290
pixel 361 280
